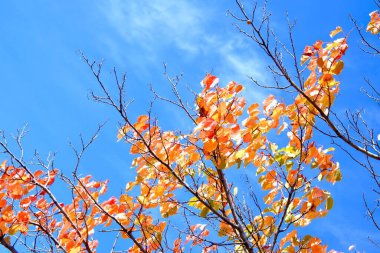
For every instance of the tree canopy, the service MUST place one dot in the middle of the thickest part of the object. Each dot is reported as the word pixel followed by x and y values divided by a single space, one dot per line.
pixel 242 176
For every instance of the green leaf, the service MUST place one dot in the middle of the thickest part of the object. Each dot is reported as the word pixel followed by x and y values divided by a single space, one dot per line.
pixel 289 165
pixel 273 147
pixel 306 239
pixel 159 237
pixel 269 210
pixel 204 212
pixel 215 204
pixel 280 159
pixel 329 203
pixel 261 179
pixel 260 170
pixel 289 217
pixel 238 161
pixel 338 175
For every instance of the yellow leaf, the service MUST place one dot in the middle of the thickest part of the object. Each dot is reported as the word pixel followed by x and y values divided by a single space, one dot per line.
pixel 337 30
pixel 129 186
pixel 160 190
pixel 142 200
pixel 193 201
pixel 239 249
pixel 240 154
pixel 273 147
pixel 75 249
pixel 235 190
pixel 304 58
pixel 338 67
pixel 260 170
pixel 122 132
pixel 168 209
pixel 14 229
pixel 125 199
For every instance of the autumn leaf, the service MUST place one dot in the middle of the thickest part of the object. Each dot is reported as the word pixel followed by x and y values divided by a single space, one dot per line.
pixel 337 30
pixel 374 24
pixel 338 67
pixel 122 132
pixel 209 81
pixel 191 174
pixel 329 203
pixel 141 123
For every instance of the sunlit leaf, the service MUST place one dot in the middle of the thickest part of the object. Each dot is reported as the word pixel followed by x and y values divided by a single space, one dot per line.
pixel 337 30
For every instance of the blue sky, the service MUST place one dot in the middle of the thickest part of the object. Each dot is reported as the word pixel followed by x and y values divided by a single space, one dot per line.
pixel 45 84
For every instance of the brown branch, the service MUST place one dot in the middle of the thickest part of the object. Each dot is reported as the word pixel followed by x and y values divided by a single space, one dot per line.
pixel 120 109
pixel 7 245
pixel 262 41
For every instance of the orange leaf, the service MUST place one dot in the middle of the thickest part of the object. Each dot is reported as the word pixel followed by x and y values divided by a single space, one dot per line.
pixel 209 81
pixel 210 145
pixel 374 25
pixel 122 132
pixel 337 30
pixel 337 68
pixel 23 216
pixel 142 123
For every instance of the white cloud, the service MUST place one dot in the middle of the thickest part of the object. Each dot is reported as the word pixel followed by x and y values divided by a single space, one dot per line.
pixel 239 63
pixel 153 26
pixel 347 233
pixel 157 23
